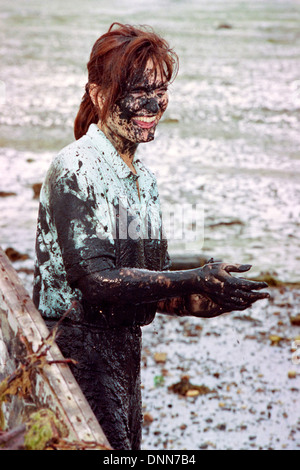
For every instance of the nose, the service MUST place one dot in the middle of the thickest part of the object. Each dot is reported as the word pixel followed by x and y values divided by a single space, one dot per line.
pixel 152 105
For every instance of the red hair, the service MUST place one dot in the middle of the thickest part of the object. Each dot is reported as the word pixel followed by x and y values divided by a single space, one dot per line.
pixel 118 58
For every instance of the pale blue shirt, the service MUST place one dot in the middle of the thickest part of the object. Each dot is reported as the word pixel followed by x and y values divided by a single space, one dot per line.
pixel 92 218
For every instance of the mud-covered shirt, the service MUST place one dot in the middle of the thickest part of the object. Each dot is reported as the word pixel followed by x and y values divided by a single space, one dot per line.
pixel 92 217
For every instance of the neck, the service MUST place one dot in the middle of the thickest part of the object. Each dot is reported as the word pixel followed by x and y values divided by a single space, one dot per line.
pixel 125 148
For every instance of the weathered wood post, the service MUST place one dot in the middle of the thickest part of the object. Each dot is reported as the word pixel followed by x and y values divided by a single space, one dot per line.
pixel 55 387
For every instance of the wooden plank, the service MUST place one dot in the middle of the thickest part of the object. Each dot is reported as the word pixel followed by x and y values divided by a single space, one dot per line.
pixel 56 387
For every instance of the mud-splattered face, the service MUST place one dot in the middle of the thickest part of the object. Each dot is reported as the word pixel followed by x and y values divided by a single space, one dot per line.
pixel 137 113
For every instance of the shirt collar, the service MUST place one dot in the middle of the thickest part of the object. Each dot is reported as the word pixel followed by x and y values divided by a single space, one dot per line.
pixel 107 150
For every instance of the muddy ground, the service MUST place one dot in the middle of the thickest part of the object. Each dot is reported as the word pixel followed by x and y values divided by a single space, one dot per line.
pixel 249 365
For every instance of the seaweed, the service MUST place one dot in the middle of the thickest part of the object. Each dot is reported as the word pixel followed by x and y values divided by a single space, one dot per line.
pixel 187 389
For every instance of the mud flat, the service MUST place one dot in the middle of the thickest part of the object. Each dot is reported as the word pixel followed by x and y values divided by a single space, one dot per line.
pixel 248 365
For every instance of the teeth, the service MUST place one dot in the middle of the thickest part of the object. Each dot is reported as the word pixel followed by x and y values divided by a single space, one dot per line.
pixel 145 118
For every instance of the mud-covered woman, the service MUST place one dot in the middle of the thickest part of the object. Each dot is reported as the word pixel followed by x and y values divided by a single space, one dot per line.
pixel 100 246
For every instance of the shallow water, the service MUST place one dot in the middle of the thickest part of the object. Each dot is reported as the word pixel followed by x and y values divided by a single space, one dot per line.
pixel 230 138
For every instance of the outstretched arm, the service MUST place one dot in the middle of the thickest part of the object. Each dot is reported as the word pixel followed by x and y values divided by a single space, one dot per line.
pixel 206 291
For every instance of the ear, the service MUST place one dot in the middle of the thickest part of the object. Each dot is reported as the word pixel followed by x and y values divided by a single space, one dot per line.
pixel 95 95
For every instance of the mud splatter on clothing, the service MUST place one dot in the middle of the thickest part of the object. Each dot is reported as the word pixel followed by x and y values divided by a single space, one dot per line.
pixel 92 218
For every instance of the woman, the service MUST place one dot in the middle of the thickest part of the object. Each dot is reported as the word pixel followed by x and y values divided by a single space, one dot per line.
pixel 100 241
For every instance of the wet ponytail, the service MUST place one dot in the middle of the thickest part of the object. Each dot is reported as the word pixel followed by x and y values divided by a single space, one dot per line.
pixel 87 114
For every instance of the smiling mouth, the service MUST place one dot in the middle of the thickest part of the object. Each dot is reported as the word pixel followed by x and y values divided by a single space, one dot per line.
pixel 146 122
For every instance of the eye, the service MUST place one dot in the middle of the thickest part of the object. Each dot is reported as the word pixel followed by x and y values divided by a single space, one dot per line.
pixel 137 92
pixel 161 93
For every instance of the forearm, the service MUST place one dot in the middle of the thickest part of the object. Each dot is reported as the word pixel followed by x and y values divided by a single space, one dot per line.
pixel 174 306
pixel 137 286
pixel 193 305
pixel 207 291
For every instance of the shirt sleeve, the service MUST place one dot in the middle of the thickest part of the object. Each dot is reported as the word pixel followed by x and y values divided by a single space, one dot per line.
pixel 80 223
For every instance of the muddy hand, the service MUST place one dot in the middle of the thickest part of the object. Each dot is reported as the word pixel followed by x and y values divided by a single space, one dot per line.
pixel 230 292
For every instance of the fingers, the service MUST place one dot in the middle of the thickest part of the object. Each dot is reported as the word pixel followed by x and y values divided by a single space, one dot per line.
pixel 240 299
pixel 244 283
pixel 252 285
pixel 253 296
pixel 231 292
pixel 237 268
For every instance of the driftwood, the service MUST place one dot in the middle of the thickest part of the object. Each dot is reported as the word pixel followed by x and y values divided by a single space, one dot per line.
pixel 54 387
